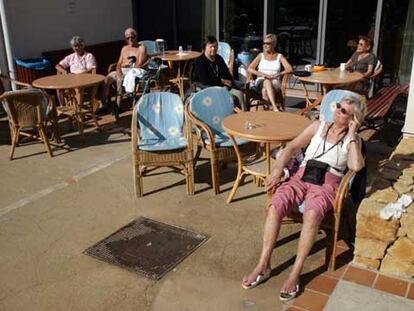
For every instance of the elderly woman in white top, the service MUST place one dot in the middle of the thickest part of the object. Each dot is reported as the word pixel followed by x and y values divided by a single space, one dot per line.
pixel 78 62
pixel 267 67
pixel 331 149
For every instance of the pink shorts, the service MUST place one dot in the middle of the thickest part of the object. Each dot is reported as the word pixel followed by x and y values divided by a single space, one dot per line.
pixel 319 198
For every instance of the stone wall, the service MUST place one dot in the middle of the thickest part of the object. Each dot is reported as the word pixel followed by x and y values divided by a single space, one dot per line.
pixel 388 245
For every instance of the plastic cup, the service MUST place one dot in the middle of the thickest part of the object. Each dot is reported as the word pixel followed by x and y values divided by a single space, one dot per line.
pixel 342 66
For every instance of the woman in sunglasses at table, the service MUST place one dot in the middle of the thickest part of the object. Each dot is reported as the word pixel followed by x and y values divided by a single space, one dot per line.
pixel 363 61
pixel 267 67
pixel 331 149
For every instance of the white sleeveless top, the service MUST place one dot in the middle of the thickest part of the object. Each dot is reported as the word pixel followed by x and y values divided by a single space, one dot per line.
pixel 269 66
pixel 336 158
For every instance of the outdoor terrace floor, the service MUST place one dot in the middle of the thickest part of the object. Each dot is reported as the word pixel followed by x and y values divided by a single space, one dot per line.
pixel 53 209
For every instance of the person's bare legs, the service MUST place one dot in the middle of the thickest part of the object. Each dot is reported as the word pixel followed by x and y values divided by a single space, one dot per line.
pixel 270 93
pixel 307 239
pixel 270 234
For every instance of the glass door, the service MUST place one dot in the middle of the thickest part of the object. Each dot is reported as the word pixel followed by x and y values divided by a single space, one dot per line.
pixel 241 24
pixel 344 23
pixel 296 25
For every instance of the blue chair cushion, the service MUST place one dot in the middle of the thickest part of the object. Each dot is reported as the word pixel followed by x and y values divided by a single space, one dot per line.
pixel 224 51
pixel 161 145
pixel 211 105
pixel 328 105
pixel 161 120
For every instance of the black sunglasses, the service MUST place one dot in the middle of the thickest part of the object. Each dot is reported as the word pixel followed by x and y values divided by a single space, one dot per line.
pixel 130 38
pixel 343 110
pixel 267 43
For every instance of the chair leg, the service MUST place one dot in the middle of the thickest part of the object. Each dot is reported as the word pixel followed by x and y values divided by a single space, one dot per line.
pixel 190 178
pixel 15 141
pixel 138 181
pixel 43 136
pixel 332 261
pixel 214 176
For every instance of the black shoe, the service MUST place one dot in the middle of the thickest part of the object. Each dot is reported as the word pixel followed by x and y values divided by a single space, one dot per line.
pixel 101 111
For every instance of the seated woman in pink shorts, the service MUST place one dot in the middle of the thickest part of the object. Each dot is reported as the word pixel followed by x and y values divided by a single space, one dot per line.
pixel 335 146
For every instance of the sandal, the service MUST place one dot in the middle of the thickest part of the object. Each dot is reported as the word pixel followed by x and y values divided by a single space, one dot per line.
pixel 260 278
pixel 289 296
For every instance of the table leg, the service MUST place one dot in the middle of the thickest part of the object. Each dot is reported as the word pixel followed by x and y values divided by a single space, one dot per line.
pixel 240 172
pixel 94 104
pixel 78 110
pixel 267 151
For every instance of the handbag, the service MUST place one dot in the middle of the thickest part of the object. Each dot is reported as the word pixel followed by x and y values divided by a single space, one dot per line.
pixel 315 172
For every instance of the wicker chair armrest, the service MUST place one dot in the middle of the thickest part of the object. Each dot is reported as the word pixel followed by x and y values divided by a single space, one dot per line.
pixel 112 67
pixel 342 192
pixel 202 127
pixel 15 82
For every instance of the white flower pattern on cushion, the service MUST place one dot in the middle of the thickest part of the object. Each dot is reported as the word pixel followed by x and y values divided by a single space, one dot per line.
pixel 173 131
pixel 216 119
pixel 156 107
pixel 332 106
pixel 178 109
pixel 207 101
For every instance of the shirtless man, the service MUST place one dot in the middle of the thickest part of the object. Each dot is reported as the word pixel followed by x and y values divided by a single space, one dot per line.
pixel 132 52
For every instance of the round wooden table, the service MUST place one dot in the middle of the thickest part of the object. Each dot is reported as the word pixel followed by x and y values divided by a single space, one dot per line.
pixel 172 56
pixel 74 106
pixel 263 127
pixel 328 79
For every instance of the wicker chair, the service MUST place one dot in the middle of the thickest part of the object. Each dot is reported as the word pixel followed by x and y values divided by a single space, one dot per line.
pixel 252 94
pixel 29 109
pixel 205 111
pixel 160 137
pixel 332 221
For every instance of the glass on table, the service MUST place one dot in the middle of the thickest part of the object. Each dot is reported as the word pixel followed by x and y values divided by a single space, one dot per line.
pixel 248 125
pixel 189 47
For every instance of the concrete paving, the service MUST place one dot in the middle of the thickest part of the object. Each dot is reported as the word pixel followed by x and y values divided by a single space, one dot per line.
pixel 53 209
pixel 350 296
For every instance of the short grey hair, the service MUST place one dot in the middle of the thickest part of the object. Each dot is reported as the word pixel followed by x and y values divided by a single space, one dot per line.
pixel 360 108
pixel 131 30
pixel 76 40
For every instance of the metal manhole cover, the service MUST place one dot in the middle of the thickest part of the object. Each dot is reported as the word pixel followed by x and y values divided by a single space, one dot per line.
pixel 147 247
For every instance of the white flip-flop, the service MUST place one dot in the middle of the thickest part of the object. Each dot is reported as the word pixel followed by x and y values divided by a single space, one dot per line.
pixel 289 296
pixel 260 278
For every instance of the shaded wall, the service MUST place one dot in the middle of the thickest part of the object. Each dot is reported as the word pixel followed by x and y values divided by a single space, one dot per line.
pixel 37 26
pixel 179 22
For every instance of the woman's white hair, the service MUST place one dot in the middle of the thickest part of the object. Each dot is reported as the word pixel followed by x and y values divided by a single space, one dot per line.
pixel 76 40
pixel 360 108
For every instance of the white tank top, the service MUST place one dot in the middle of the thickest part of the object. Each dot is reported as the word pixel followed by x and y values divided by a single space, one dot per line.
pixel 269 66
pixel 336 158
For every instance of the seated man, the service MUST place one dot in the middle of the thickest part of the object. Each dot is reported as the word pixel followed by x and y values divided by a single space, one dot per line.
pixel 132 55
pixel 211 70
pixel 331 149
pixel 80 61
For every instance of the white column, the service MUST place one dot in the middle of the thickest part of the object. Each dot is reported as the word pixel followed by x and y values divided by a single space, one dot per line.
pixel 408 128
pixel 7 45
